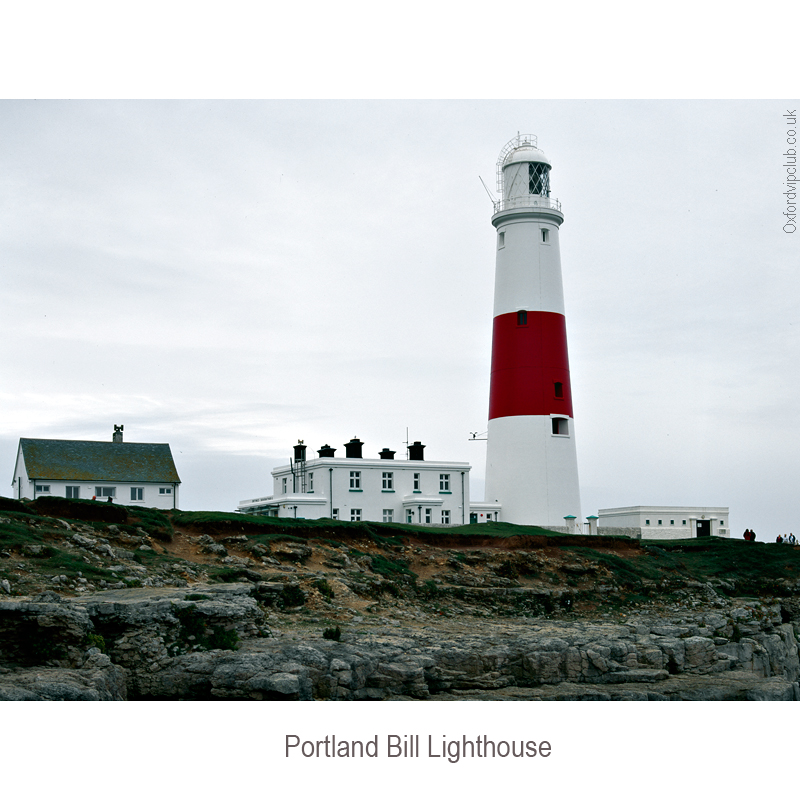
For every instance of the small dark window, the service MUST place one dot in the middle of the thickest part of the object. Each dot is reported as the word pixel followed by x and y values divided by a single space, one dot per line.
pixel 560 426
pixel 545 235
pixel 522 317
pixel 501 239
pixel 559 387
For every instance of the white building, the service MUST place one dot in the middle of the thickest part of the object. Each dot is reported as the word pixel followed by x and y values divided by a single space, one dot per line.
pixel 665 522
pixel 531 462
pixel 130 474
pixel 355 488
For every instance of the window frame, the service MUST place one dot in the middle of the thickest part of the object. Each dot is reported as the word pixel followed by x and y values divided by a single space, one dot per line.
pixel 387 481
pixel 355 514
pixel 137 490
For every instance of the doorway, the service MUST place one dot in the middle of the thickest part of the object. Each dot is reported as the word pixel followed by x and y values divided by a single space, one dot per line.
pixel 703 527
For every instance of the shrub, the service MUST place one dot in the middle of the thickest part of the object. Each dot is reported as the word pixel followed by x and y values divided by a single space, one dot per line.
pixel 334 634
pixel 293 595
pixel 324 588
pixel 95 640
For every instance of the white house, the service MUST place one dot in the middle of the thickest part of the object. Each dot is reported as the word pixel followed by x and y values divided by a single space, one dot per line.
pixel 665 522
pixel 355 488
pixel 129 473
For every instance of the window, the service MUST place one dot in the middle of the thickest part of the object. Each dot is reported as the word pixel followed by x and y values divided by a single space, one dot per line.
pixel 310 481
pixel 409 516
pixel 165 490
pixel 42 487
pixel 444 483
pixel 522 317
pixel 388 515
pixel 428 515
pixel 560 426
pixel 283 485
pixel 355 515
pixel 501 240
pixel 355 480
pixel 388 481
pixel 445 517
pixel 416 481
pixel 647 522
pixel 137 492
pixel 558 387
pixel 335 513
pixel 73 492
pixel 545 236
pixel 659 522
pixel 105 491
pixel 672 522
pixel 684 522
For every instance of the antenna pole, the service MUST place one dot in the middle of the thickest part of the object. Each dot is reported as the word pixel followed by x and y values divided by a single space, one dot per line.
pixel 487 189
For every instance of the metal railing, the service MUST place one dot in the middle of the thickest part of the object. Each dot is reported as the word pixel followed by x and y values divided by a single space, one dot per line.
pixel 527 201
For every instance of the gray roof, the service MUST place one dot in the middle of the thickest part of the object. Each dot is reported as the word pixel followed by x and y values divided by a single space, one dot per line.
pixel 64 459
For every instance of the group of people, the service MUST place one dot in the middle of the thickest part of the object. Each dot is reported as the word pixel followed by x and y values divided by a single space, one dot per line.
pixel 749 536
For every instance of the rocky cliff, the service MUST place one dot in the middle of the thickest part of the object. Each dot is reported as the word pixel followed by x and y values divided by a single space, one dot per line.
pixel 222 607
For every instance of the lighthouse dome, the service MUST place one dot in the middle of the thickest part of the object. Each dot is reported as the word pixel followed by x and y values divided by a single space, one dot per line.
pixel 526 153
pixel 523 170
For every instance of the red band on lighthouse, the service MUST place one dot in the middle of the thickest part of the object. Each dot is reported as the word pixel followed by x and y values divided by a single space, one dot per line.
pixel 530 368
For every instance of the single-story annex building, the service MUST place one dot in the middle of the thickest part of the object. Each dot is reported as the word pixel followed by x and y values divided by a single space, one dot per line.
pixel 665 522
pixel 128 473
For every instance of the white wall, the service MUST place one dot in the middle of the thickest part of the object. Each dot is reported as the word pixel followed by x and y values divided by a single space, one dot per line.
pixel 372 499
pixel 527 271
pixel 531 472
pixel 152 496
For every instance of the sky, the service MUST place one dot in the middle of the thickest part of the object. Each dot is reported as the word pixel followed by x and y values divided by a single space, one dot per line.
pixel 232 276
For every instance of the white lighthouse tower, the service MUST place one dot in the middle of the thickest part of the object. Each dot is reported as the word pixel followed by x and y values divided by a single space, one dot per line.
pixel 531 464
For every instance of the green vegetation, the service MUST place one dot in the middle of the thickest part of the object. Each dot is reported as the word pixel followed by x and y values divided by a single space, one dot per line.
pixel 324 588
pixel 95 640
pixel 335 634
pixel 154 522
pixel 390 568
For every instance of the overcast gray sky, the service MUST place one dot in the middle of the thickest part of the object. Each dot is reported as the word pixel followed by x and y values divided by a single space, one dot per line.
pixel 231 276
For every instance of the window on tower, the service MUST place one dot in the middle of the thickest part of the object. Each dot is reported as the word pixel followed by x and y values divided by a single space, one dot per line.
pixel 545 235
pixel 560 426
pixel 501 239
pixel 522 317
pixel 559 389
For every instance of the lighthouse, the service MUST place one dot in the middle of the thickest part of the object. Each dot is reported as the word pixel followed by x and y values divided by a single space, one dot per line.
pixel 531 462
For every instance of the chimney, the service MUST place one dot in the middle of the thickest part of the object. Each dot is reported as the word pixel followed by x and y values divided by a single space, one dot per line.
pixel 353 448
pixel 117 437
pixel 299 451
pixel 326 451
pixel 387 453
pixel 415 452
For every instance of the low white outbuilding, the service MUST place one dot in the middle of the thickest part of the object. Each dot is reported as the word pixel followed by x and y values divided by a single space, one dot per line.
pixel 665 522
pixel 127 473
pixel 355 488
